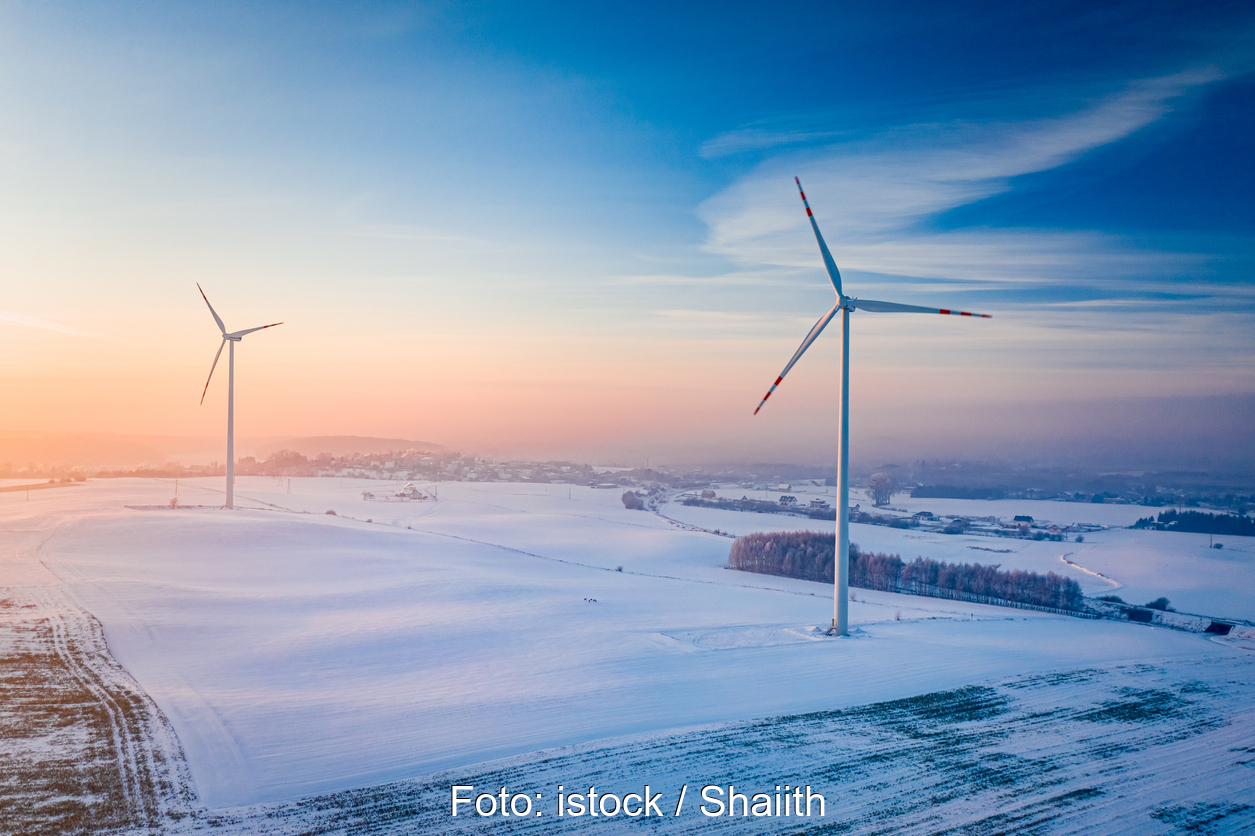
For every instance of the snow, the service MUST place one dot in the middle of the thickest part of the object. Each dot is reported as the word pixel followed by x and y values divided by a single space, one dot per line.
pixel 1049 511
pixel 1139 565
pixel 1126 750
pixel 297 653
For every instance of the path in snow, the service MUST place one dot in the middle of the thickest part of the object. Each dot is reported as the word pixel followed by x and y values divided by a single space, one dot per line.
pixel 82 747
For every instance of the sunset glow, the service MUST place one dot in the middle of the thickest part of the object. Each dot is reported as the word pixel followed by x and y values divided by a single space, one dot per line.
pixel 483 232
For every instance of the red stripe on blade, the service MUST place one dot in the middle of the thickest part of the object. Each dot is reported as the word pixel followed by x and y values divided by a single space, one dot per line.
pixel 945 310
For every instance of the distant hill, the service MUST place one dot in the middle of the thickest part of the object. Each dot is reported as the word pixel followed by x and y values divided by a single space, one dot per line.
pixel 347 445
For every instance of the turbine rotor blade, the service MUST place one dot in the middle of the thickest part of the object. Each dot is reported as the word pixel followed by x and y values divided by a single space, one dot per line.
pixel 221 346
pixel 239 334
pixel 806 343
pixel 872 306
pixel 217 318
pixel 833 272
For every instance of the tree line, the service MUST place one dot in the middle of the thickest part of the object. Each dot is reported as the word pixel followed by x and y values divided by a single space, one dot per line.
pixel 1200 522
pixel 808 555
pixel 956 492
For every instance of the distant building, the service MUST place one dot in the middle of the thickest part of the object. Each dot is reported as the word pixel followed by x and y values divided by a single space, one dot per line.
pixel 1024 518
pixel 788 501
pixel 708 494
pixel 819 505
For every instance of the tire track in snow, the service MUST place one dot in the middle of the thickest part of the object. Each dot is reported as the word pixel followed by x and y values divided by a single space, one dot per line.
pixel 83 746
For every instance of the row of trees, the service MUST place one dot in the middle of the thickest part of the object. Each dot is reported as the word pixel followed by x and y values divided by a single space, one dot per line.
pixel 956 492
pixel 1200 522
pixel 808 555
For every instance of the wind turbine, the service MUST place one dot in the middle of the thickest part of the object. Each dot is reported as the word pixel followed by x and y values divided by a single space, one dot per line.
pixel 845 304
pixel 232 337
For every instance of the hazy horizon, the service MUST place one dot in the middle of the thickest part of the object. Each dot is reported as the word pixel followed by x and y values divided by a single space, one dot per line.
pixel 1116 435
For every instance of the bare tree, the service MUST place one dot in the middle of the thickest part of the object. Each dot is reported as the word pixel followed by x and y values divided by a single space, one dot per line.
pixel 883 486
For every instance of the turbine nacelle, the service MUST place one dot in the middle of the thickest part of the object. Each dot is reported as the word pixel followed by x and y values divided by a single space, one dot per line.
pixel 845 304
pixel 232 337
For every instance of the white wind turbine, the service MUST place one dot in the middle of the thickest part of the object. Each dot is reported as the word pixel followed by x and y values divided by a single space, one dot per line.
pixel 845 304
pixel 233 337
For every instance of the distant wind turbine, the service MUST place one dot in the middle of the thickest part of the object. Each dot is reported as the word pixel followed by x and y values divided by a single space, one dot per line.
pixel 233 337
pixel 845 304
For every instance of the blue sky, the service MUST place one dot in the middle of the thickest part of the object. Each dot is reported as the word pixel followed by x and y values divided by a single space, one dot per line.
pixel 596 201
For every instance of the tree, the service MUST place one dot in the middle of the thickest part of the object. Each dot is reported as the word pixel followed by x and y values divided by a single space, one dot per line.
pixel 808 555
pixel 632 501
pixel 1160 604
pixel 882 486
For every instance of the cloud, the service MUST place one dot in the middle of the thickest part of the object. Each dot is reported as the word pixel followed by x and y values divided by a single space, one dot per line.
pixel 758 138
pixel 31 322
pixel 875 196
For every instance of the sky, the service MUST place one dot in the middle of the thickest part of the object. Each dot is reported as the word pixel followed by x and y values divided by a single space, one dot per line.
pixel 570 230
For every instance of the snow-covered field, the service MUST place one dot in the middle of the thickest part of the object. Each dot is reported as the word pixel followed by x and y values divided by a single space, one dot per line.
pixel 1124 751
pixel 296 652
pixel 1137 565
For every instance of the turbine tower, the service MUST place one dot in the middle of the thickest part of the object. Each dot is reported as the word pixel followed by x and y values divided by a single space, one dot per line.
pixel 845 304
pixel 232 337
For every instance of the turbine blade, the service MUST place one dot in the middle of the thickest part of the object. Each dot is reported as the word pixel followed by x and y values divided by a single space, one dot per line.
pixel 806 343
pixel 251 330
pixel 217 318
pixel 872 306
pixel 221 346
pixel 833 272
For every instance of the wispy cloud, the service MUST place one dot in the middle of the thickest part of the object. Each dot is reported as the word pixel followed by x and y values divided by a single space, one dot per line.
pixel 43 324
pixel 759 137
pixel 714 317
pixel 876 195
pixel 740 278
